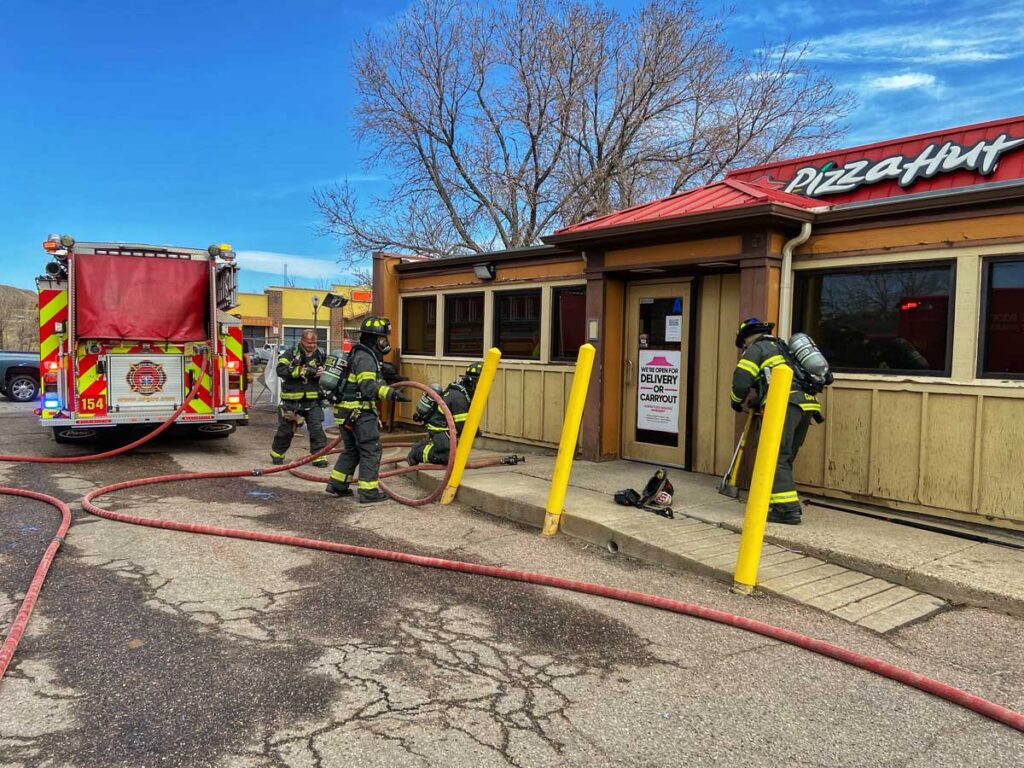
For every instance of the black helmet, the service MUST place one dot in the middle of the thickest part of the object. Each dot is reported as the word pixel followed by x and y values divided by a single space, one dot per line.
pixel 378 326
pixel 471 377
pixel 750 327
pixel 374 333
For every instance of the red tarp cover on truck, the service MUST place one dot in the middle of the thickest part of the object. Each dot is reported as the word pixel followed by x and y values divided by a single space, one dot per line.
pixel 141 297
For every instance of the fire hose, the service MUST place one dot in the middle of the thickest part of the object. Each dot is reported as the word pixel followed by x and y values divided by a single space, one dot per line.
pixel 929 685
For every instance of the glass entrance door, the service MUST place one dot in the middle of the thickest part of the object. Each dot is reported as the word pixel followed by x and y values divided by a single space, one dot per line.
pixel 657 346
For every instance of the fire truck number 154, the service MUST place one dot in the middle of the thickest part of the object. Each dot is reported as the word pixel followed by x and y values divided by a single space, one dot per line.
pixel 93 404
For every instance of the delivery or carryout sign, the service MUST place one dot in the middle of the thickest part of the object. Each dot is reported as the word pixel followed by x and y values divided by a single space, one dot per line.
pixel 657 405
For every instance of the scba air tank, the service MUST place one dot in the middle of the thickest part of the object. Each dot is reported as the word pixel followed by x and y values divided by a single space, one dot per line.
pixel 807 354
pixel 332 379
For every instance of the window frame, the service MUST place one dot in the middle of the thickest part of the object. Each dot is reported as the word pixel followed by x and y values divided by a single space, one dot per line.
pixel 986 281
pixel 876 266
pixel 438 321
pixel 539 291
pixel 445 325
pixel 553 325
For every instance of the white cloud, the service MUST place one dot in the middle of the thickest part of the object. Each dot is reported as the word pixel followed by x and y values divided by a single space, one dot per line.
pixel 966 32
pixel 271 263
pixel 902 82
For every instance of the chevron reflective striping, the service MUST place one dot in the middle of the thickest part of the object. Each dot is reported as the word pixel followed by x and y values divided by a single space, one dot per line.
pixel 53 307
pixel 48 346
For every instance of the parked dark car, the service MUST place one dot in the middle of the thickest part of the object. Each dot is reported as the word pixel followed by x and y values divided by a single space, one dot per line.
pixel 19 375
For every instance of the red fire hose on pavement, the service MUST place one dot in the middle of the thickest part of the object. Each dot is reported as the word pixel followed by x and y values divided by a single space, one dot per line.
pixel 962 698
pixel 25 611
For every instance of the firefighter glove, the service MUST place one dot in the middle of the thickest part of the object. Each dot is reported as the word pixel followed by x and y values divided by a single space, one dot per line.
pixel 395 396
pixel 738 407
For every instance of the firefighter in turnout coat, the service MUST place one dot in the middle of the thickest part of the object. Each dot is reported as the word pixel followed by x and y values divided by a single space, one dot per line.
pixel 761 353
pixel 435 448
pixel 357 414
pixel 299 368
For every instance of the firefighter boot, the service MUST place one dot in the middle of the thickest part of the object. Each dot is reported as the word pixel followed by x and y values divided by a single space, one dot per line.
pixel 783 515
pixel 372 496
pixel 337 490
pixel 320 461
pixel 338 484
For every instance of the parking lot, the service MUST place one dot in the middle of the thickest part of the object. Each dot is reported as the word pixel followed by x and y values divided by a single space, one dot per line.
pixel 152 647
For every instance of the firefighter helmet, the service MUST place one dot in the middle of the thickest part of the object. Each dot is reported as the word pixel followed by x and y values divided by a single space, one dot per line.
pixel 472 376
pixel 378 326
pixel 750 327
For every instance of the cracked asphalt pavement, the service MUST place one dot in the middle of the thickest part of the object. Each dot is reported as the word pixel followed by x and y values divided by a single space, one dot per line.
pixel 159 648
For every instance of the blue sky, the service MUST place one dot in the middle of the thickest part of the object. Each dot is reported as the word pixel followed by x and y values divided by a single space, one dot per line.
pixel 195 122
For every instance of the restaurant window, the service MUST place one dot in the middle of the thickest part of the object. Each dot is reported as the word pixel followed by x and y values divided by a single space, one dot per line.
pixel 256 335
pixel 568 321
pixel 517 324
pixel 879 319
pixel 464 325
pixel 419 326
pixel 292 334
pixel 1002 319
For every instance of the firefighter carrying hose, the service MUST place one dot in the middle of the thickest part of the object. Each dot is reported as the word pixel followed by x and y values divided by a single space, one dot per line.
pixel 356 413
pixel 434 449
pixel 298 369
pixel 761 353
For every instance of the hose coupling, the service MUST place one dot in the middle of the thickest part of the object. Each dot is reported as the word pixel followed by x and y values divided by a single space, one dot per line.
pixel 257 472
pixel 513 460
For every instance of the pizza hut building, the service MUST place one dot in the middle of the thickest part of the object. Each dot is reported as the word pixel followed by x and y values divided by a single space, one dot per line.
pixel 904 260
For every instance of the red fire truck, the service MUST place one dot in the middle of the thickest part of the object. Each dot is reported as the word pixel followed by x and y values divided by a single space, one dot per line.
pixel 126 330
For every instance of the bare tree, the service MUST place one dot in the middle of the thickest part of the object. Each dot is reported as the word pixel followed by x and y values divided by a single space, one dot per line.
pixel 497 124
pixel 19 324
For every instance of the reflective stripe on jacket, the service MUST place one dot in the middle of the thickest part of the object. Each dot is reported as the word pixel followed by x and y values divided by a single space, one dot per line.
pixel 754 370
pixel 363 387
pixel 297 382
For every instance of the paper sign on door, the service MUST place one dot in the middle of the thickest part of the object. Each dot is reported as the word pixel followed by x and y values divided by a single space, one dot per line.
pixel 657 405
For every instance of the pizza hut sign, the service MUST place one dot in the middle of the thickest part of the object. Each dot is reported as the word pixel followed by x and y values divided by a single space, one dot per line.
pixel 932 160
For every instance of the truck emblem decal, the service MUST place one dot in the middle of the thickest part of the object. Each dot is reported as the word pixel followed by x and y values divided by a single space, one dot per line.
pixel 146 378
pixel 933 159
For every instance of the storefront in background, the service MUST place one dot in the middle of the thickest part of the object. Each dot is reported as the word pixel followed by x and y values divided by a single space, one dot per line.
pixel 903 259
pixel 280 314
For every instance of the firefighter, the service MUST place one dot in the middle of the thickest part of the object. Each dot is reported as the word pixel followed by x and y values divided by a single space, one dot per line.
pixel 761 353
pixel 298 369
pixel 357 416
pixel 434 449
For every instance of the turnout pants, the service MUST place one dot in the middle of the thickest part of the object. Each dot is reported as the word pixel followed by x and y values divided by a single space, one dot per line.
pixel 432 450
pixel 360 431
pixel 309 410
pixel 794 431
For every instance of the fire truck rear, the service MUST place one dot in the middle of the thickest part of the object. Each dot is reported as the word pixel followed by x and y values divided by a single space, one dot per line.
pixel 126 330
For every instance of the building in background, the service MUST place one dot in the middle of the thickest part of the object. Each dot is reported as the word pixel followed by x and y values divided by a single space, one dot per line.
pixel 280 314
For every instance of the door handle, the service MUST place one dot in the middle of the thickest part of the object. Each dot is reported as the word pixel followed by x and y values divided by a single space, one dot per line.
pixel 629 371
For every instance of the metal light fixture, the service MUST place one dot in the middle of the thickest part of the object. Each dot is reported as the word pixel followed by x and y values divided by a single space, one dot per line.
pixel 484 271
pixel 316 306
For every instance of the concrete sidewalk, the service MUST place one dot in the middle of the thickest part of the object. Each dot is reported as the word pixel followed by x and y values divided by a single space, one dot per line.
pixel 873 573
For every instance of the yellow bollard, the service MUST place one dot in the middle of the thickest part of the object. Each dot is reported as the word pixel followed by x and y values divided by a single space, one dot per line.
pixel 570 436
pixel 756 517
pixel 476 413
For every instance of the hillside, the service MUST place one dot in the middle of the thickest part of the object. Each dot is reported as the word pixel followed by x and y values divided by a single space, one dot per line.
pixel 19 323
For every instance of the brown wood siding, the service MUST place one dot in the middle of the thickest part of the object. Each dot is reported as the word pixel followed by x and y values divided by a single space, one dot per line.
pixel 927 447
pixel 714 422
pixel 555 270
pixel 526 404
pixel 934 233
pixel 675 253
pixel 614 330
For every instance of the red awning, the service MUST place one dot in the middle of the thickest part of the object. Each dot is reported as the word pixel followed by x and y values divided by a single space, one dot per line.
pixel 142 298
